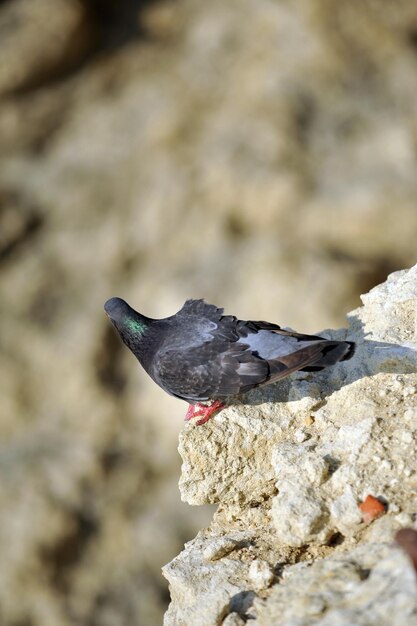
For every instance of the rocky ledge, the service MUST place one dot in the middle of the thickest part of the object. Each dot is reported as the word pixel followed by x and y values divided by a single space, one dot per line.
pixel 313 476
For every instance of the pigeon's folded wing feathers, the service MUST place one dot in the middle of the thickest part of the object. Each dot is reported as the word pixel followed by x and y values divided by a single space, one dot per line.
pixel 200 309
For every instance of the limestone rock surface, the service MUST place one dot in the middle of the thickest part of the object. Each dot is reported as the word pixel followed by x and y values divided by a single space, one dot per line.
pixel 289 467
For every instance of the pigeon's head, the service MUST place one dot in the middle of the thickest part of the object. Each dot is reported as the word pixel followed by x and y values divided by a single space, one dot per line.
pixel 128 322
pixel 117 310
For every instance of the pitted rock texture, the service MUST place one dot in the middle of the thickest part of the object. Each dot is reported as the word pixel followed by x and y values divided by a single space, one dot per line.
pixel 289 468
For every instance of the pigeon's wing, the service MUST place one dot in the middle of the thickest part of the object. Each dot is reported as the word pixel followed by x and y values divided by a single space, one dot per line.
pixel 219 369
pixel 201 309
pixel 287 351
pixel 213 356
pixel 209 371
pixel 198 323
pixel 200 359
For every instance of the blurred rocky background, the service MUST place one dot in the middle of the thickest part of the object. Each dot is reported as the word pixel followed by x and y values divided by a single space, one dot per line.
pixel 259 153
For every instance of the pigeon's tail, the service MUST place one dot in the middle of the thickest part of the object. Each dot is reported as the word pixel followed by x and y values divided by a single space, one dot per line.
pixel 331 353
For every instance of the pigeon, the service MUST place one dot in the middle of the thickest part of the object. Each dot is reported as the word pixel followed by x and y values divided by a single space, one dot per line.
pixel 206 358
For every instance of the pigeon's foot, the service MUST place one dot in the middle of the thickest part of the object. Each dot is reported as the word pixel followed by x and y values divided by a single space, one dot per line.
pixel 195 410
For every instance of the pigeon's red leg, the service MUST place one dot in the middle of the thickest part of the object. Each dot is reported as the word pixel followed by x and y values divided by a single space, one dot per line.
pixel 201 409
pixel 208 411
pixel 193 411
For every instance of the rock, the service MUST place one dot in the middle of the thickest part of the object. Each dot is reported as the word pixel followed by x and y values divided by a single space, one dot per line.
pixel 368 586
pixel 208 598
pixel 299 515
pixel 296 462
pixel 361 441
pixel 40 40
pixel 345 512
pixel 261 574
pixel 209 475
pixel 233 619
pixel 218 549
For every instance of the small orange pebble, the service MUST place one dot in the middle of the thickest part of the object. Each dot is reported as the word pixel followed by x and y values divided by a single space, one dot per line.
pixel 371 508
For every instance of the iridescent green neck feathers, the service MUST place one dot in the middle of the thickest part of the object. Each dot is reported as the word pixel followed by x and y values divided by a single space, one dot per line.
pixel 135 326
